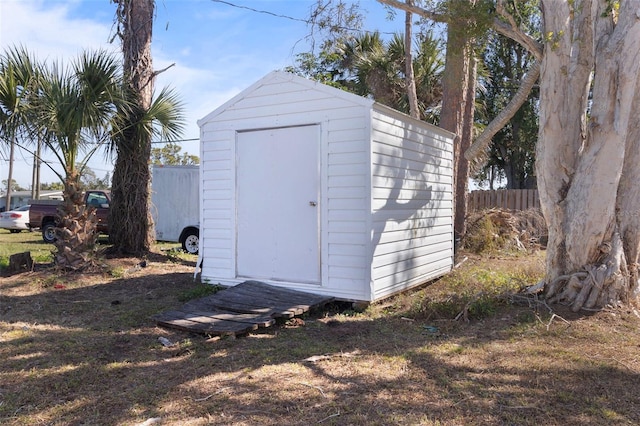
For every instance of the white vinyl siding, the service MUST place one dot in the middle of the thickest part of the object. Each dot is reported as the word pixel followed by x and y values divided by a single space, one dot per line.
pixel 216 216
pixel 412 204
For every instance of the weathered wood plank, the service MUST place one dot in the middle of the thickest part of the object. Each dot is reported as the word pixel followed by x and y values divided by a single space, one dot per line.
pixel 243 304
pixel 260 320
pixel 280 300
pixel 281 294
pixel 212 326
pixel 241 301
pixel 213 317
pixel 219 303
pixel 240 309
pixel 260 301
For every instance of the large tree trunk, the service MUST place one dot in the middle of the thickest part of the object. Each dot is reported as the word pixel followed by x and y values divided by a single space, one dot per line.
pixel 131 229
pixel 588 171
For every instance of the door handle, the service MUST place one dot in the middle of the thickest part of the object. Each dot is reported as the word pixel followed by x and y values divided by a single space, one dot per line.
pixel 313 203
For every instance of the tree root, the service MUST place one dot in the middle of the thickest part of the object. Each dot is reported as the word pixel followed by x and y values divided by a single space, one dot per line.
pixel 595 288
pixel 605 283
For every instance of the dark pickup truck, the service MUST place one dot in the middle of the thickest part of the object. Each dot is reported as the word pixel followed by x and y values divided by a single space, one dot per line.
pixel 43 213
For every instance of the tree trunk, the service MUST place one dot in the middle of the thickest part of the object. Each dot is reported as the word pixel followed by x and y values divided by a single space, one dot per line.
pixel 458 95
pixel 132 226
pixel 12 148
pixel 588 172
pixel 414 111
pixel 76 233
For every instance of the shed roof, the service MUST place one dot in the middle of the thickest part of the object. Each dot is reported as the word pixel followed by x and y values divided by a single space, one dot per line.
pixel 283 77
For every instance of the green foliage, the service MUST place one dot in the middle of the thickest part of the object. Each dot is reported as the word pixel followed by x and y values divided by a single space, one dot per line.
pixel 511 155
pixel 89 179
pixel 368 65
pixel 198 291
pixel 14 186
pixel 170 155
pixel 53 186
pixel 470 19
pixel 485 237
pixel 474 293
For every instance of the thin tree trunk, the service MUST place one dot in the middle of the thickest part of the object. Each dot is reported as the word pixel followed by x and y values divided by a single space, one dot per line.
pixel 12 147
pixel 414 111
pixel 457 116
pixel 38 165
pixel 463 170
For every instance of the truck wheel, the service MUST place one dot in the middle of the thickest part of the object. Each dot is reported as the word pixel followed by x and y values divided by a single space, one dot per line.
pixel 191 241
pixel 49 233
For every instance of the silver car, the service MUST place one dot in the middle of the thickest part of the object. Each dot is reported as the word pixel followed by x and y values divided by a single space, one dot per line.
pixel 15 220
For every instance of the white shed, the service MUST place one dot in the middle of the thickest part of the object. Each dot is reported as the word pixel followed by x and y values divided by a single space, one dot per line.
pixel 315 189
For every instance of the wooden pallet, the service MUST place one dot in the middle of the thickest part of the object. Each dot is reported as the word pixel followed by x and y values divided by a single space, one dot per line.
pixel 240 309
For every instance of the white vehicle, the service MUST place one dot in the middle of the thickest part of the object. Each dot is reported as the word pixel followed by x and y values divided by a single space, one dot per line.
pixel 175 205
pixel 15 220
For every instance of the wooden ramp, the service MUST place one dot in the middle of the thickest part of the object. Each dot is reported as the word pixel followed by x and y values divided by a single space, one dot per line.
pixel 240 309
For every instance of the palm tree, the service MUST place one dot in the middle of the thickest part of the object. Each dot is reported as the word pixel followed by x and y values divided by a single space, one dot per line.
pixel 131 142
pixel 374 68
pixel 17 74
pixel 76 107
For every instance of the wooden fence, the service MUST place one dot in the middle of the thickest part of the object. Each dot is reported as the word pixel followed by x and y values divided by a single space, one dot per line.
pixel 510 199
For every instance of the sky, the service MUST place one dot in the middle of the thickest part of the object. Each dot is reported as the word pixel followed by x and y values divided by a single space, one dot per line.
pixel 218 49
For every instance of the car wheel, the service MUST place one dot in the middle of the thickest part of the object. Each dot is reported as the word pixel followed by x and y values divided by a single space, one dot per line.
pixel 191 242
pixel 15 231
pixel 49 233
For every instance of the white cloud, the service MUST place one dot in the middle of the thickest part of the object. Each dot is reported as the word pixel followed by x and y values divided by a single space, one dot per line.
pixel 46 29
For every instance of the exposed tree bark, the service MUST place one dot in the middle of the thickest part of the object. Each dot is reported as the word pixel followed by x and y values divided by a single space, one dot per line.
pixel 76 233
pixel 132 225
pixel 587 170
pixel 457 84
pixel 588 149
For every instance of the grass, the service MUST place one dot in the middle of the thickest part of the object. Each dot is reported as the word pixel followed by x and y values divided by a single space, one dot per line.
pixel 73 355
pixel 41 252
pixel 22 242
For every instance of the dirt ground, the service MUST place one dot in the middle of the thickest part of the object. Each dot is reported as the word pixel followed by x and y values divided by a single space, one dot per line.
pixel 80 349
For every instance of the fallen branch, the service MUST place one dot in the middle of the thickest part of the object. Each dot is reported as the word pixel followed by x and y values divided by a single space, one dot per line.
pixel 537 288
pixel 557 316
pixel 616 360
pixel 316 358
pixel 329 417
pixel 210 396
pixel 465 311
pixel 459 264
pixel 315 387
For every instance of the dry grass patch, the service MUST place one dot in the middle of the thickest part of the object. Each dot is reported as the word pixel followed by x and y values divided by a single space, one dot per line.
pixel 87 353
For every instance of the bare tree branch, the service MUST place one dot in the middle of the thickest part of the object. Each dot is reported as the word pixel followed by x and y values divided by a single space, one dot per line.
pixel 482 141
pixel 507 29
pixel 155 73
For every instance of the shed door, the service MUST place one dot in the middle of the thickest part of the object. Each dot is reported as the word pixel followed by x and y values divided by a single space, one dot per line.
pixel 277 204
